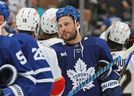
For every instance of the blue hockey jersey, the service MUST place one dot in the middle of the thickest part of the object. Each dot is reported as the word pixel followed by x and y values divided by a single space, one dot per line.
pixel 41 70
pixel 9 48
pixel 78 62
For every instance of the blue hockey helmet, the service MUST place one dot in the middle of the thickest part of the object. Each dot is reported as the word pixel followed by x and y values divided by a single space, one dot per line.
pixel 68 11
pixel 4 10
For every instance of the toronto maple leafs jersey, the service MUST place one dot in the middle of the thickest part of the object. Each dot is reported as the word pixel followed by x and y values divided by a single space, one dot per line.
pixel 78 62
pixel 9 49
pixel 127 81
pixel 41 74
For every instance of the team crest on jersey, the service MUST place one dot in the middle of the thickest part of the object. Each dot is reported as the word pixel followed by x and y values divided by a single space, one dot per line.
pixel 80 74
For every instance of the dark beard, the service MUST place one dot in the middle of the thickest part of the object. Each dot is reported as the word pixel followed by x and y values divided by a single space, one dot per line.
pixel 71 37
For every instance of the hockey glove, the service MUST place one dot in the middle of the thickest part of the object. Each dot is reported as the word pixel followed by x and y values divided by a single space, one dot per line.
pixel 101 64
pixel 8 75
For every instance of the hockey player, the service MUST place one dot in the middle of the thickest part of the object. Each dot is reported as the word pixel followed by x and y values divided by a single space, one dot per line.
pixel 79 56
pixel 28 22
pixel 117 36
pixel 4 16
pixel 30 83
pixel 50 37
pixel 11 53
pixel 49 26
pixel 4 19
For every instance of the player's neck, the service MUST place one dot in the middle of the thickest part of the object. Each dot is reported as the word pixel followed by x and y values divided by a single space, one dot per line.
pixel 4 32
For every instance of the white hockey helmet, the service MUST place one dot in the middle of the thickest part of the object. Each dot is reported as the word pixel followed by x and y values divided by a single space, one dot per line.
pixel 119 32
pixel 28 19
pixel 48 21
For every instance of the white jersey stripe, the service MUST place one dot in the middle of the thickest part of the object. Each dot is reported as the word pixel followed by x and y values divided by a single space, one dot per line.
pixel 38 71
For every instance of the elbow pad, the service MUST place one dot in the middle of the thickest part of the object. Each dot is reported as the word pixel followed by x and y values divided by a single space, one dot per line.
pixel 8 75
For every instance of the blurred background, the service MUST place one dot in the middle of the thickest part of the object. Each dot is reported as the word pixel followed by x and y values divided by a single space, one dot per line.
pixel 97 15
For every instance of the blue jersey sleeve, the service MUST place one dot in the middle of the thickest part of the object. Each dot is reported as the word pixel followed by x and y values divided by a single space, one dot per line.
pixel 110 85
pixel 105 53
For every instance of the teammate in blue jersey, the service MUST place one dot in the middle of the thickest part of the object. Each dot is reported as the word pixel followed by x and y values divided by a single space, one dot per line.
pixel 27 22
pixel 78 57
pixel 34 74
pixel 41 69
pixel 11 53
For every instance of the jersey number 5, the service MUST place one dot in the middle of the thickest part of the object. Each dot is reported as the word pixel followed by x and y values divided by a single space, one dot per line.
pixel 21 57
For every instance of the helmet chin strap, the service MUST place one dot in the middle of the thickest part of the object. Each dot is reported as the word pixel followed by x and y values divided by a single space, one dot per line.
pixel 2 26
pixel 78 32
pixel 77 27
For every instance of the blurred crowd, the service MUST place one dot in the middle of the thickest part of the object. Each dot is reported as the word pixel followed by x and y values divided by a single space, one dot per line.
pixel 98 15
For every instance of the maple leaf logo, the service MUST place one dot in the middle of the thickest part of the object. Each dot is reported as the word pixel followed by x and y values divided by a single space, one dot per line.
pixel 80 74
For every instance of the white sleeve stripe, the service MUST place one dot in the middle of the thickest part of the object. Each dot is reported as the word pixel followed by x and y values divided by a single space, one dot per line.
pixel 13 89
pixel 41 70
pixel 30 77
pixel 45 80
pixel 36 71
pixel 16 90
pixel 38 80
